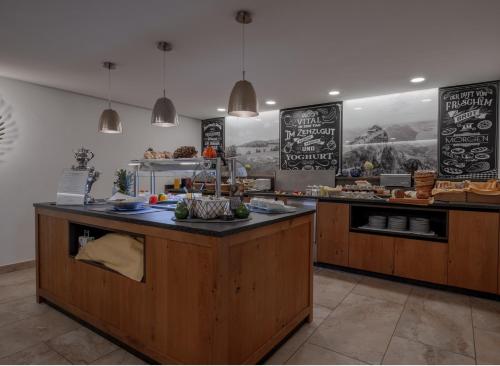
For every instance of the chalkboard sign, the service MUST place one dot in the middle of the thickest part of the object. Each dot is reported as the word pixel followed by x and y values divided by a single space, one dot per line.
pixel 310 137
pixel 468 131
pixel 212 133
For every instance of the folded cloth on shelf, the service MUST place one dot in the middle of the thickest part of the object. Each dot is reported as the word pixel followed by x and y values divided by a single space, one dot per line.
pixel 121 253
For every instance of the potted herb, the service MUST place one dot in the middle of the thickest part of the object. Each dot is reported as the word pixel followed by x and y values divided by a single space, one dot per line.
pixel 123 182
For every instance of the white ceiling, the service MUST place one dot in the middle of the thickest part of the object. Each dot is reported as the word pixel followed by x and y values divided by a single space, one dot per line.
pixel 297 50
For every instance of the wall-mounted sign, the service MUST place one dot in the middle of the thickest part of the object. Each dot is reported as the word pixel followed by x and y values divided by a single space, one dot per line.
pixel 310 137
pixel 212 133
pixel 468 131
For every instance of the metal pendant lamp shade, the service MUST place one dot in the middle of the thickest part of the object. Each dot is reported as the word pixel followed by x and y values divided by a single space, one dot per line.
pixel 164 113
pixel 110 120
pixel 243 99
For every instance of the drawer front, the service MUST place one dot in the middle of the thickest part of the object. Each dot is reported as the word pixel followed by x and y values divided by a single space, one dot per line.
pixel 371 252
pixel 421 260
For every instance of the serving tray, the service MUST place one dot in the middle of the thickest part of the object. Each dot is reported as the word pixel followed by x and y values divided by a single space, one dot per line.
pixel 211 221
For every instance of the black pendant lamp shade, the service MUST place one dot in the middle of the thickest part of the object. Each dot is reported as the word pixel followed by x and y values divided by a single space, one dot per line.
pixel 109 122
pixel 164 113
pixel 243 100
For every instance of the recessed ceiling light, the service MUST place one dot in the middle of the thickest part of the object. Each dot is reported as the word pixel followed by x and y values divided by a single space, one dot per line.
pixel 334 92
pixel 426 100
pixel 221 109
pixel 270 102
pixel 358 108
pixel 393 138
pixel 417 79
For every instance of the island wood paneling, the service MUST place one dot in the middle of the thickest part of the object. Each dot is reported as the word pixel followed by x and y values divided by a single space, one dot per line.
pixel 371 252
pixel 473 250
pixel 203 299
pixel 268 286
pixel 332 233
pixel 421 260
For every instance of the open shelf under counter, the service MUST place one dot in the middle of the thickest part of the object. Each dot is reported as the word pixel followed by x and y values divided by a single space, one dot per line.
pixel 359 216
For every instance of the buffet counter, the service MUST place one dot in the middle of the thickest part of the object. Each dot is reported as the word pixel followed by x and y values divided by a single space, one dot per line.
pixel 460 250
pixel 376 201
pixel 210 294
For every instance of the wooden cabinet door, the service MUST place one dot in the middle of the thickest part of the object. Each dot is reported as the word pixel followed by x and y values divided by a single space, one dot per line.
pixel 54 272
pixel 332 233
pixel 421 260
pixel 371 252
pixel 473 250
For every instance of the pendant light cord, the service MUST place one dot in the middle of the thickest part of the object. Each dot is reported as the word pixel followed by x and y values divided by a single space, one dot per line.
pixel 164 67
pixel 243 48
pixel 109 87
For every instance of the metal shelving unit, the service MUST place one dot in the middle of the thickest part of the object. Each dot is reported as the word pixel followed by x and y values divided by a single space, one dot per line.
pixel 194 165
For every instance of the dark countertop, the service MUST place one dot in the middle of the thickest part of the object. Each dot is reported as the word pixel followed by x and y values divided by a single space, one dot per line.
pixel 163 219
pixel 469 206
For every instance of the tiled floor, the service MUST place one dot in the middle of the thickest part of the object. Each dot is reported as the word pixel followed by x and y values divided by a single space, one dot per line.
pixel 357 319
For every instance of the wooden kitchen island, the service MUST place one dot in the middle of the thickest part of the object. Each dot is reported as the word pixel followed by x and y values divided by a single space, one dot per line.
pixel 211 293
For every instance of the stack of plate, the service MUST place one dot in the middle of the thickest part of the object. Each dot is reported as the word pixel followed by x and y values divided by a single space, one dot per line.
pixel 397 223
pixel 419 224
pixel 377 222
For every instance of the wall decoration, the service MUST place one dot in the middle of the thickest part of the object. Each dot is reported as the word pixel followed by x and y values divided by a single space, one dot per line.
pixel 468 131
pixel 394 132
pixel 255 142
pixel 212 133
pixel 310 137
pixel 8 129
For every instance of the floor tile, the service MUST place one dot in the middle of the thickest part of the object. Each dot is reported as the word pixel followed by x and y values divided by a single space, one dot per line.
pixel 438 318
pixel 40 354
pixel 82 346
pixel 119 357
pixel 331 287
pixel 17 277
pixel 15 310
pixel 383 289
pixel 486 314
pixel 407 352
pixel 487 346
pixel 360 327
pixel 14 291
pixel 33 330
pixel 310 354
pixel 282 354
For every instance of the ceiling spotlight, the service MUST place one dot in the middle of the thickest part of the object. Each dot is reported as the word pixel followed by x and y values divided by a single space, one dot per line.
pixel 417 79
pixel 426 100
pixel 357 108
pixel 270 102
pixel 221 109
pixel 334 92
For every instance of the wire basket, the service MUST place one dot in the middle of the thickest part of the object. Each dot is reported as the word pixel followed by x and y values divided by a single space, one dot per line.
pixel 204 208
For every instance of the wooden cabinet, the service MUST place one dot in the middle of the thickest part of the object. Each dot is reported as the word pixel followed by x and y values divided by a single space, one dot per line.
pixel 473 250
pixel 203 300
pixel 371 252
pixel 332 233
pixel 421 260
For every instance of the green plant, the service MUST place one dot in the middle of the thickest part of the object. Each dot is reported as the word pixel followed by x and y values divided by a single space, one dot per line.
pixel 123 180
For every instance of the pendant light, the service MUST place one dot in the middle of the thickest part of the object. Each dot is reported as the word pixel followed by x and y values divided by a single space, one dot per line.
pixel 110 120
pixel 243 100
pixel 164 113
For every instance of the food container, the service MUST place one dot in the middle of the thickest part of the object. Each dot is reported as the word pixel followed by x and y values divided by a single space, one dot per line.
pixel 207 208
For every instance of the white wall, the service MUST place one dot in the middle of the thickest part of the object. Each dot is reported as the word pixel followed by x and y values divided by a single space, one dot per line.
pixel 51 124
